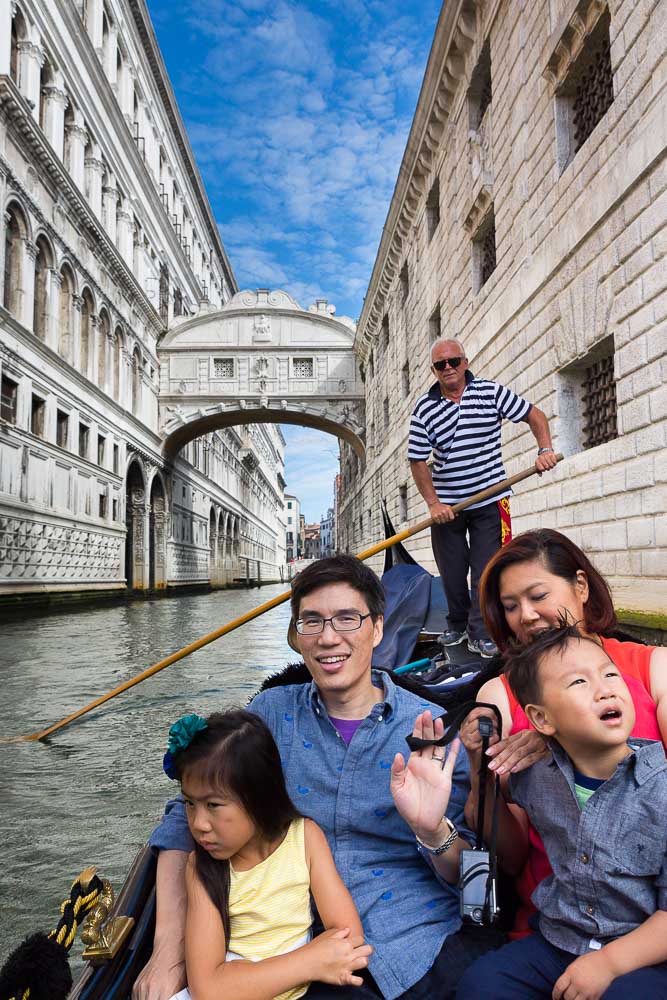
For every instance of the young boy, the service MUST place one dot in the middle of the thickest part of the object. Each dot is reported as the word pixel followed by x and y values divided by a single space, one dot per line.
pixel 600 805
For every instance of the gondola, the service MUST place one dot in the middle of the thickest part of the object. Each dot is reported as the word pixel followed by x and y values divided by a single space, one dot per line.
pixel 415 614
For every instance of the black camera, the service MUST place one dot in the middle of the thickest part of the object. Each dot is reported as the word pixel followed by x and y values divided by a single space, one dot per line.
pixel 479 898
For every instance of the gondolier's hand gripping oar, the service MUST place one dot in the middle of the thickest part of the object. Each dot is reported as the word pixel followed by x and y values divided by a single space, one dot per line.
pixel 486 494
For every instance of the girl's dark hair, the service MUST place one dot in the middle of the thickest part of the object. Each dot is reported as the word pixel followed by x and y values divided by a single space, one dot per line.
pixel 562 558
pixel 237 755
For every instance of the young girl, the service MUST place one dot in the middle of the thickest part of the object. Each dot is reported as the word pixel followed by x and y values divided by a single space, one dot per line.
pixel 254 867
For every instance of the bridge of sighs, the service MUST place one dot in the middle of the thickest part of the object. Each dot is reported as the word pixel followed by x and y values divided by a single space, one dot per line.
pixel 261 358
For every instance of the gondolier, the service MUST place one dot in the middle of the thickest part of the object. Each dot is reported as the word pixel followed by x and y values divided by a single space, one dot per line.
pixel 458 421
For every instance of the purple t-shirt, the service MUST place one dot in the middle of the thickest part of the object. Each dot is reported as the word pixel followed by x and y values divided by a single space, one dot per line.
pixel 346 727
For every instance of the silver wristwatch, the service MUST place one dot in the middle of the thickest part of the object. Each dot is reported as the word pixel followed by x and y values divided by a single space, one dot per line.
pixel 446 844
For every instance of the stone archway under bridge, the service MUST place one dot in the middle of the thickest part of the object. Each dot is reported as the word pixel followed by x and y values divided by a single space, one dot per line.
pixel 260 359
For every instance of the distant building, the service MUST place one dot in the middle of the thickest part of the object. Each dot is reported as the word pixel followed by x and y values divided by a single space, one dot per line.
pixel 312 547
pixel 302 536
pixel 327 534
pixel 293 536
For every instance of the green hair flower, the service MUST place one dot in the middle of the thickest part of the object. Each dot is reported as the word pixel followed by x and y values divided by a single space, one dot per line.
pixel 181 736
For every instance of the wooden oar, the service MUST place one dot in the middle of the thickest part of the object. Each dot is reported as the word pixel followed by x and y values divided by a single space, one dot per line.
pixel 262 608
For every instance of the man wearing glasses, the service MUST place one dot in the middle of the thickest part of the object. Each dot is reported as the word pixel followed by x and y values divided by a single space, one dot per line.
pixel 393 825
pixel 458 421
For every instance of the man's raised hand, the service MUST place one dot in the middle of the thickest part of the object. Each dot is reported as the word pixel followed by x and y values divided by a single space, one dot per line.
pixel 421 787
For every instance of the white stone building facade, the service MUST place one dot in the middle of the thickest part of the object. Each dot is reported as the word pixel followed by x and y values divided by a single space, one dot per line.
pixel 293 540
pixel 106 239
pixel 529 220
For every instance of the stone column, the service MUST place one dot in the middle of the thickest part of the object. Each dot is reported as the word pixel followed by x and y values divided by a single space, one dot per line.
pixel 110 67
pixel 105 345
pixel 75 343
pixel 125 233
pixel 94 168
pixel 56 100
pixel 110 206
pixel 94 23
pixel 30 61
pixel 93 348
pixel 126 380
pixel 160 529
pixel 212 553
pixel 26 295
pixel 77 140
pixel 139 514
pixel 53 283
pixel 126 90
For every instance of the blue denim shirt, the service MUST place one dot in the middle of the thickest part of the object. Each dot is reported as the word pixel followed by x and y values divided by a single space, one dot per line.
pixel 609 859
pixel 406 910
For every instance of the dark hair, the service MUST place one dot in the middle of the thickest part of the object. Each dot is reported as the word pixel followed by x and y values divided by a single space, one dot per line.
pixel 522 662
pixel 562 558
pixel 238 755
pixel 338 569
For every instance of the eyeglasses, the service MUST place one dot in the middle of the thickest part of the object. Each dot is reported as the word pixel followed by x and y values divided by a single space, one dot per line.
pixel 348 622
pixel 452 362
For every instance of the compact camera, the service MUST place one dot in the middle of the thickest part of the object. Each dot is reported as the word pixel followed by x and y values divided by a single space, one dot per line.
pixel 478 888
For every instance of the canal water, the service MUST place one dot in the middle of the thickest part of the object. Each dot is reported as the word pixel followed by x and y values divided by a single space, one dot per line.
pixel 92 794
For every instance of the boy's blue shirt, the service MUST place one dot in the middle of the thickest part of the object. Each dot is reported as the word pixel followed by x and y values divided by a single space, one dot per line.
pixel 406 910
pixel 609 859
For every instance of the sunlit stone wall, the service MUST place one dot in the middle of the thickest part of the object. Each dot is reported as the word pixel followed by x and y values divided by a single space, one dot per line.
pixel 580 272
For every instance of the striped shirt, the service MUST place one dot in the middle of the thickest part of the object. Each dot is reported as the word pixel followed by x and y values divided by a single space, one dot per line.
pixel 464 437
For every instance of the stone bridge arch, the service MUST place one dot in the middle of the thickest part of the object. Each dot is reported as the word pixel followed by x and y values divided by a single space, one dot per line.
pixel 260 359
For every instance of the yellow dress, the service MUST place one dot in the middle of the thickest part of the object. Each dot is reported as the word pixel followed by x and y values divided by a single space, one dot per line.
pixel 269 906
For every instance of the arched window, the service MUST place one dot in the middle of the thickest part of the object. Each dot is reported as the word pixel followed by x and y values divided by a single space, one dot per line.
pixel 136 382
pixel 103 330
pixel 65 313
pixel 43 261
pixel 87 310
pixel 13 276
pixel 178 302
pixel 116 355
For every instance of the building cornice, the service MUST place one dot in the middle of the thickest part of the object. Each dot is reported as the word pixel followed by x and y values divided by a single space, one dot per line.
pixel 455 35
pixel 149 41
pixel 17 112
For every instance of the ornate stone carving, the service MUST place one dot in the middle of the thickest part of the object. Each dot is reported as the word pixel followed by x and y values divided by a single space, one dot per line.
pixel 571 39
pixel 262 329
pixel 37 550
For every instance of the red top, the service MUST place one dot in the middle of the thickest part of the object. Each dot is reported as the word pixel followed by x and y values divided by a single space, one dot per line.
pixel 633 661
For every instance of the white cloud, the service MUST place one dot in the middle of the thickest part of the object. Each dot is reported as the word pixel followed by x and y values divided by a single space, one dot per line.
pixel 299 119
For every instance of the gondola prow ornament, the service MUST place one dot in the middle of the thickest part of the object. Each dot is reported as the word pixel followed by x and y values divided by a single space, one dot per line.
pixel 39 968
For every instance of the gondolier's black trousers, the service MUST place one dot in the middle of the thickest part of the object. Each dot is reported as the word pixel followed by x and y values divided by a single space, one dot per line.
pixel 466 543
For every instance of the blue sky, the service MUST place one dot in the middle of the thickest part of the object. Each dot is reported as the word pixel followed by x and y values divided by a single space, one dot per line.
pixel 298 114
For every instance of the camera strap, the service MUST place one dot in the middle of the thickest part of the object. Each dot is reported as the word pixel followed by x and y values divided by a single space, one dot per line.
pixel 454 721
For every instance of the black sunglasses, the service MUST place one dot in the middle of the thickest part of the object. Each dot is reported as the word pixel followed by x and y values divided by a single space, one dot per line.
pixel 452 362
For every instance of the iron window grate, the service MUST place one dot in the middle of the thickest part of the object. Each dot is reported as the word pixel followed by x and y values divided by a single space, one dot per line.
pixel 599 395
pixel 594 94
